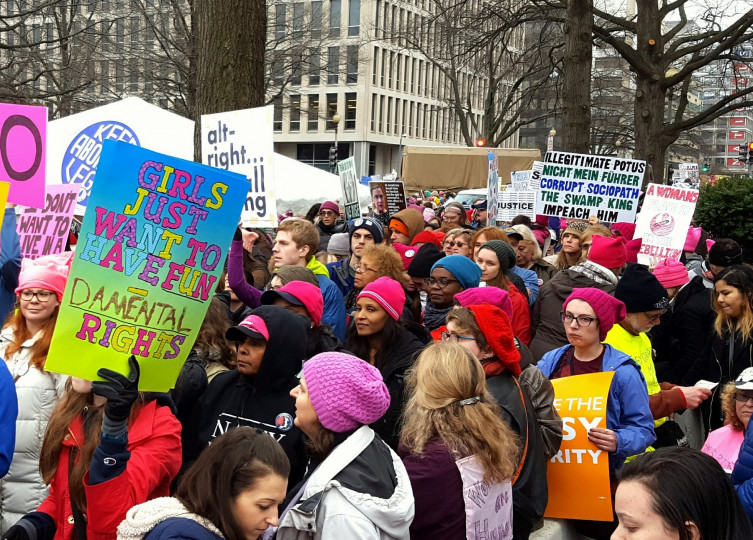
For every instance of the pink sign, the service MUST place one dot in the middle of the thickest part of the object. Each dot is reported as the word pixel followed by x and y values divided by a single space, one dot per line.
pixel 737 121
pixel 45 231
pixel 736 134
pixel 23 139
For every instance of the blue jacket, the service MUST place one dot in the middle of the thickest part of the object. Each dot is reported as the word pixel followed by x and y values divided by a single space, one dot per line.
pixel 334 307
pixel 742 474
pixel 531 280
pixel 8 414
pixel 180 528
pixel 10 262
pixel 628 414
pixel 339 273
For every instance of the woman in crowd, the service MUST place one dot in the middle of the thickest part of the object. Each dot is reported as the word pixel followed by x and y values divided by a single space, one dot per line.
pixel 338 397
pixel 730 349
pixel 485 331
pixel 377 261
pixel 678 493
pixel 530 256
pixel 107 448
pixel 378 337
pixel 523 279
pixel 413 306
pixel 232 491
pixel 454 216
pixel 24 343
pixel 460 243
pixel 494 259
pixel 570 254
pixel 211 354
pixel 449 276
pixel 724 444
pixel 588 315
pixel 453 438
pixel 484 235
pixel 255 394
pixel 586 238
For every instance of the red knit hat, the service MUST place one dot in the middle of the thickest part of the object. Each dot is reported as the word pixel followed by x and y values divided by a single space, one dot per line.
pixel 626 230
pixel 632 247
pixel 608 252
pixel 426 237
pixel 495 326
pixel 406 253
pixel 608 309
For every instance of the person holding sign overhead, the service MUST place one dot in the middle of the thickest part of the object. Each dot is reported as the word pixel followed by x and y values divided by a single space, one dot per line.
pixel 588 315
pixel 24 343
pixel 107 448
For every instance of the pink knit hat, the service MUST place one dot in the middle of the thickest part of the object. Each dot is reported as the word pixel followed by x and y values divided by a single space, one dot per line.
pixel 608 309
pixel 406 253
pixel 49 272
pixel 608 252
pixel 671 273
pixel 632 247
pixel 329 205
pixel 299 293
pixel 475 296
pixel 345 391
pixel 691 240
pixel 429 214
pixel 388 293
pixel 626 230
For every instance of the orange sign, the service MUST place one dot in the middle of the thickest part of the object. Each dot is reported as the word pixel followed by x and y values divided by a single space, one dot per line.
pixel 578 475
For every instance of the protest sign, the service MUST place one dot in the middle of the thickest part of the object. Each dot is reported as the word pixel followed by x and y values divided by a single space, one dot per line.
pixel 488 505
pixel 513 203
pixel 492 189
pixel 242 142
pixel 663 222
pixel 151 249
pixel 45 231
pixel 578 475
pixel 387 196
pixel 23 142
pixel 74 143
pixel 349 182
pixel 576 186
pixel 520 180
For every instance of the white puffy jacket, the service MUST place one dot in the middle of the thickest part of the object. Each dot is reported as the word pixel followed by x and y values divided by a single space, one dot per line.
pixel 22 490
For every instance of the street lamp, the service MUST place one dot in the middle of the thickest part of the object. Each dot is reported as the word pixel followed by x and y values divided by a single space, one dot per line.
pixel 333 150
pixel 618 144
pixel 400 155
pixel 550 140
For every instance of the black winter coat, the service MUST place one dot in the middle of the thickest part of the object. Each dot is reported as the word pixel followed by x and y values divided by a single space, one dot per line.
pixel 325 232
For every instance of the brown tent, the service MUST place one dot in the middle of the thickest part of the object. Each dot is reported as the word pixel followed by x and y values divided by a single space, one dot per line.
pixel 456 168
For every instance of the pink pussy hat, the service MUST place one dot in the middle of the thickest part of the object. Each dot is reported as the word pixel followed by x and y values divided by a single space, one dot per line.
pixel 608 309
pixel 345 391
pixel 388 293
pixel 691 240
pixel 49 272
pixel 671 273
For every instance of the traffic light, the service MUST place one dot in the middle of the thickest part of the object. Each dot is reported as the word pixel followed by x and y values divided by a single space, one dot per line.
pixel 750 152
pixel 480 142
pixel 332 158
pixel 742 152
pixel 705 167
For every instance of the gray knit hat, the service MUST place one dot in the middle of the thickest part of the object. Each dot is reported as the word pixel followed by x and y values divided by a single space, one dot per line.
pixel 339 244
pixel 505 253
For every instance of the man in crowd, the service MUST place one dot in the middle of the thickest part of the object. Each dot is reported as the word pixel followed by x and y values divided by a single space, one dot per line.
pixel 364 232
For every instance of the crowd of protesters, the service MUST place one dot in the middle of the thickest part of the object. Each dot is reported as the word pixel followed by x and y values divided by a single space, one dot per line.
pixel 356 378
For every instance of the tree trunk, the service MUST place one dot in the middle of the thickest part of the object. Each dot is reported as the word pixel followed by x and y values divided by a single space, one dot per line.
pixel 230 57
pixel 576 114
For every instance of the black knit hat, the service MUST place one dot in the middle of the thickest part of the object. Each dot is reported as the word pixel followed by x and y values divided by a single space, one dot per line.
pixel 640 291
pixel 725 252
pixel 505 253
pixel 426 256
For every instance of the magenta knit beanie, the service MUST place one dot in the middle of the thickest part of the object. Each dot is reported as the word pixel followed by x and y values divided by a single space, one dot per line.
pixel 671 273
pixel 345 391
pixel 608 252
pixel 475 296
pixel 49 272
pixel 329 205
pixel 388 293
pixel 692 238
pixel 608 309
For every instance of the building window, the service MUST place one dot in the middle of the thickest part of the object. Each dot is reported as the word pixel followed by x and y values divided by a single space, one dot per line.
pixel 380 112
pixel 351 76
pixel 373 112
pixel 295 113
pixel 317 155
pixel 316 19
pixel 280 21
pixel 315 66
pixel 278 71
pixel 298 20
pixel 350 110
pixel 354 17
pixel 313 113
pixel 372 159
pixel 388 118
pixel 390 69
pixel 375 66
pixel 277 114
pixel 333 64
pixel 331 110
pixel 296 69
pixel 335 6
pixel 377 26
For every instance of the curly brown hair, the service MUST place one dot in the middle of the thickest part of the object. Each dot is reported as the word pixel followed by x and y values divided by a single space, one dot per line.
pixel 728 407
pixel 387 260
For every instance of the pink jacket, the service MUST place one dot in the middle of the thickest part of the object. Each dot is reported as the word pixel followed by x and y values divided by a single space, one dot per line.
pixel 723 445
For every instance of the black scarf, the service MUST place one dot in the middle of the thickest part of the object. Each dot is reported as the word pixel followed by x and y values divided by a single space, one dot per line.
pixel 435 317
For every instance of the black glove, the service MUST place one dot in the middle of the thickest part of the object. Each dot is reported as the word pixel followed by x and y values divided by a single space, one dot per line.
pixel 121 392
pixel 238 236
pixel 36 525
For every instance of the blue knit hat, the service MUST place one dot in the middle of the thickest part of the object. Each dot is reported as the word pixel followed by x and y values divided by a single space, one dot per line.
pixel 370 224
pixel 467 272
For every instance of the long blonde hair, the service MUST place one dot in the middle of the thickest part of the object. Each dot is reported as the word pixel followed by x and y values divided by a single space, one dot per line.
pixel 444 375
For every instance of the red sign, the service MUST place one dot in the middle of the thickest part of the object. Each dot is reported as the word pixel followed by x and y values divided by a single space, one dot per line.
pixel 734 162
pixel 737 121
pixel 733 148
pixel 742 68
pixel 735 135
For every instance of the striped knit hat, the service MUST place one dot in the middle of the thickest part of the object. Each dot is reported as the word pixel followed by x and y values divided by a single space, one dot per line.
pixel 388 293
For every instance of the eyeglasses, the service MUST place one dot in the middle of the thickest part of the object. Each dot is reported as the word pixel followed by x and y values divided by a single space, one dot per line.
pixel 448 336
pixel 581 320
pixel 364 268
pixel 742 398
pixel 452 216
pixel 458 244
pixel 42 296
pixel 441 282
pixel 653 318
pixel 326 213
